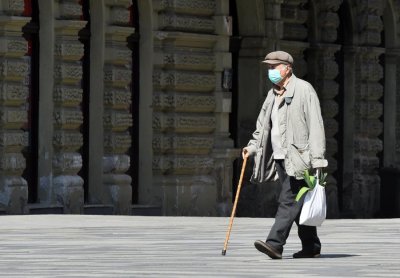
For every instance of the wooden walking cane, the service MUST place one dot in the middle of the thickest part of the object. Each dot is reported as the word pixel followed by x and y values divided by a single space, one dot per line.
pixel 234 207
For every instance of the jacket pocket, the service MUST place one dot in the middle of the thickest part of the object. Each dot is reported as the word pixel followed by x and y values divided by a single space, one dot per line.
pixel 299 156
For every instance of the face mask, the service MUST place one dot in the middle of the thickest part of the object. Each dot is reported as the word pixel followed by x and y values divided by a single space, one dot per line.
pixel 274 75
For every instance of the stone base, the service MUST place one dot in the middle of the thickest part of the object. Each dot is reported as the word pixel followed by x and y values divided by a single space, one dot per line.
pixel 13 195
pixel 120 193
pixel 68 192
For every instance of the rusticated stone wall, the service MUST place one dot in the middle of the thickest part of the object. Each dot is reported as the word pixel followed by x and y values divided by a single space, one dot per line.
pixel 67 97
pixel 323 73
pixel 192 152
pixel 117 103
pixel 326 37
pixel 368 110
pixel 60 109
pixel 14 79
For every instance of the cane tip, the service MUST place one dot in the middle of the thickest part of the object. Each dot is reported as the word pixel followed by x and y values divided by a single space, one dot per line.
pixel 223 252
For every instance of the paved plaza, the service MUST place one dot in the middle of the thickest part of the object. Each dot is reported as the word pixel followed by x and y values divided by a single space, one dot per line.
pixel 138 246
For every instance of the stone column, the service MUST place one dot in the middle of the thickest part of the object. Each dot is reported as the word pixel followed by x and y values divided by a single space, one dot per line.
pixel 14 79
pixel 323 71
pixel 117 101
pixel 369 127
pixel 190 107
pixel 326 70
pixel 67 95
pixel 368 110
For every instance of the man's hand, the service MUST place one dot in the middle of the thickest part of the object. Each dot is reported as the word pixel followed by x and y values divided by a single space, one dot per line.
pixel 245 153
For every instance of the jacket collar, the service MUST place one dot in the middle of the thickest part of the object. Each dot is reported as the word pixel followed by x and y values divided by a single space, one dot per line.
pixel 290 89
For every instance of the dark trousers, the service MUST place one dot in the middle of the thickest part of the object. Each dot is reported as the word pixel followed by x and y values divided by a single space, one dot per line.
pixel 289 212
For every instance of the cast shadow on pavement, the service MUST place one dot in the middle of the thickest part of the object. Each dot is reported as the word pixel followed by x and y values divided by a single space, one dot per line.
pixel 331 256
pixel 335 256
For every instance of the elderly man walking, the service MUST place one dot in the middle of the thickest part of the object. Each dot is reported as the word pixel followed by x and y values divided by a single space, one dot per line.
pixel 289 138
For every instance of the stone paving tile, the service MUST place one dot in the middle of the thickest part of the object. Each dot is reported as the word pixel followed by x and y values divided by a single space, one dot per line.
pixel 135 246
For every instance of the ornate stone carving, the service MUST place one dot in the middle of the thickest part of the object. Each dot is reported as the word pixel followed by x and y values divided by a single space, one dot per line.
pixel 11 69
pixel 371 70
pixel 120 16
pixel 13 47
pixel 183 165
pixel 294 32
pixel 368 145
pixel 67 140
pixel 366 163
pixel 329 108
pixel 12 7
pixel 204 7
pixel 328 19
pixel 369 128
pixel 371 91
pixel 183 103
pixel 67 163
pixel 116 55
pixel 187 61
pixel 68 73
pixel 294 17
pixel 13 94
pixel 68 50
pixel 369 21
pixel 186 23
pixel 117 99
pixel 68 119
pixel 69 10
pixel 328 88
pixel 117 76
pixel 117 121
pixel 368 109
pixel 182 144
pixel 183 81
pixel 12 163
pixel 13 138
pixel 116 163
pixel 331 127
pixel 292 12
pixel 12 118
pixel 182 123
pixel 328 68
pixel 117 143
pixel 68 96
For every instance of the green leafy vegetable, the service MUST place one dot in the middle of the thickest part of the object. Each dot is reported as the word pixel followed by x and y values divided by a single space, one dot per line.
pixel 311 181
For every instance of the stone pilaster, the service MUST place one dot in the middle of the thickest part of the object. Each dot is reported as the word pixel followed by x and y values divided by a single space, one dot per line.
pixel 294 17
pixel 117 103
pixel 191 108
pixel 323 72
pixel 367 144
pixel 368 110
pixel 67 97
pixel 294 36
pixel 326 70
pixel 14 90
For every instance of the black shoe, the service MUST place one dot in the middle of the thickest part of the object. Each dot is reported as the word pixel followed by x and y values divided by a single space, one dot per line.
pixel 303 255
pixel 267 249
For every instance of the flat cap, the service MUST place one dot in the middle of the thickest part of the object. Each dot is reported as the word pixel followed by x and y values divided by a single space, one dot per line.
pixel 278 57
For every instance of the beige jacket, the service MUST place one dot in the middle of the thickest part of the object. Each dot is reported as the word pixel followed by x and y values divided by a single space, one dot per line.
pixel 302 133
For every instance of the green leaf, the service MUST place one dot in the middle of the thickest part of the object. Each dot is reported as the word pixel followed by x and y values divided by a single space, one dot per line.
pixel 301 193
pixel 307 178
pixel 312 180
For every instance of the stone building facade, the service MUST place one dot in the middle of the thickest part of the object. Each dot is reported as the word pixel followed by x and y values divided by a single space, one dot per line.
pixel 128 106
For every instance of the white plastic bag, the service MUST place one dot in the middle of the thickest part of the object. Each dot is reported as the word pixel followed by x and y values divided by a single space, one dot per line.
pixel 313 212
